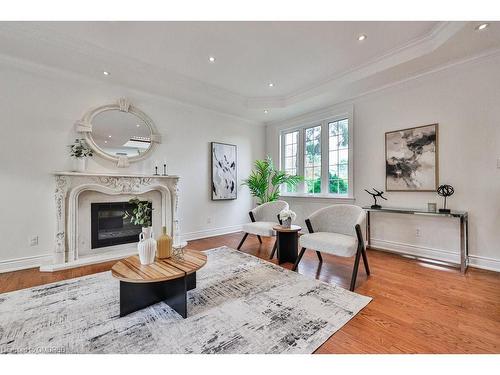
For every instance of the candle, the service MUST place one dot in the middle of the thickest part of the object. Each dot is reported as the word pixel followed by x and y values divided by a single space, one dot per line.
pixel 165 168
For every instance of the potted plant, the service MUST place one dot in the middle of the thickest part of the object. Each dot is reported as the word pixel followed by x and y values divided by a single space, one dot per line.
pixel 80 151
pixel 286 217
pixel 265 181
pixel 141 215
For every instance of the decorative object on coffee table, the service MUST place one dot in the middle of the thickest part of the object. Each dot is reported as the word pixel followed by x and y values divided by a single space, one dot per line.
pixel 178 250
pixel 287 216
pixel 445 191
pixel 287 243
pixel 224 171
pixel 375 195
pixel 164 245
pixel 80 151
pixel 411 159
pixel 141 215
pixel 165 280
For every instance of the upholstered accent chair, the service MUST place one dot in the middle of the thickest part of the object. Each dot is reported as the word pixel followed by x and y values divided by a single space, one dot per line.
pixel 264 217
pixel 336 230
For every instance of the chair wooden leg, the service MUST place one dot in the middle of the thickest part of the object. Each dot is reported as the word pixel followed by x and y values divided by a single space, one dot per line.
pixel 365 261
pixel 298 259
pixel 275 246
pixel 355 270
pixel 242 240
pixel 319 256
pixel 260 239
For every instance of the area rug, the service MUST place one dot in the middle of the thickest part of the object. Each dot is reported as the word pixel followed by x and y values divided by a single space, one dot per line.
pixel 242 304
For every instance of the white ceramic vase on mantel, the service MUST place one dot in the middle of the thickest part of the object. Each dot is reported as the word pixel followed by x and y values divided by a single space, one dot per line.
pixel 146 246
pixel 79 164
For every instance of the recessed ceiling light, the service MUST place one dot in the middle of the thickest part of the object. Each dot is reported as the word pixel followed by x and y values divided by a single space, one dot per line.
pixel 138 125
pixel 266 111
pixel 106 73
pixel 362 37
pixel 270 84
pixel 482 26
pixel 109 136
pixel 211 59
pixel 105 141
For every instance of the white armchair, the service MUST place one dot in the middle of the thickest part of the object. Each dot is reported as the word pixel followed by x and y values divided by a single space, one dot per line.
pixel 264 218
pixel 336 230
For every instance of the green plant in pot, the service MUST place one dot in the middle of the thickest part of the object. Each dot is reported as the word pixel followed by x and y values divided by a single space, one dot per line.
pixel 265 181
pixel 79 153
pixel 142 215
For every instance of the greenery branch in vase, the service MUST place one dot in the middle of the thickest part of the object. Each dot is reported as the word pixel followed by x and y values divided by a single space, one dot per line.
pixel 142 215
pixel 265 181
pixel 80 151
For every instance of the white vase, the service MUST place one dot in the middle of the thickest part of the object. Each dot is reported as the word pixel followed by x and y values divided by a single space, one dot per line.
pixel 146 246
pixel 79 164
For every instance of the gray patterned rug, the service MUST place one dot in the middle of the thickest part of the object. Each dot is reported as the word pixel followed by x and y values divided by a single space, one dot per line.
pixel 242 305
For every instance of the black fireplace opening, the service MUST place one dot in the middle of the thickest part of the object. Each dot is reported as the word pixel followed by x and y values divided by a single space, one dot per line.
pixel 108 226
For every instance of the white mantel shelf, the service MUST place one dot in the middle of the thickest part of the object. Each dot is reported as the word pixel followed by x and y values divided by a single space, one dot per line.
pixel 103 174
pixel 70 185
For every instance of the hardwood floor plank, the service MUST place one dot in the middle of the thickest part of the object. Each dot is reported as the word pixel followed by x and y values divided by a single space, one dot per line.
pixel 416 307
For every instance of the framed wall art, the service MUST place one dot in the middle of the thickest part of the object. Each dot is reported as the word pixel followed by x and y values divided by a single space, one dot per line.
pixel 411 159
pixel 224 171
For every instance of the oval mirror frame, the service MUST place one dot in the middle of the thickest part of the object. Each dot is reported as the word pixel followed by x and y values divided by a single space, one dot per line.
pixel 84 126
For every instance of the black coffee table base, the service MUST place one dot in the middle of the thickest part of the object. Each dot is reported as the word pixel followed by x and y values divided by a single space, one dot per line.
pixel 136 296
pixel 287 247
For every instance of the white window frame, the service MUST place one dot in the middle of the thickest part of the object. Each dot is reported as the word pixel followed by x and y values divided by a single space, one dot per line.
pixel 325 154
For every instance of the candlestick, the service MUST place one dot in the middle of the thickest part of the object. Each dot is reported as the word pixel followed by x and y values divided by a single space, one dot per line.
pixel 156 169
pixel 164 168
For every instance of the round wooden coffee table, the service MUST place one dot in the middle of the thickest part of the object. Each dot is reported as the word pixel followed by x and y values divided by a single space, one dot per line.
pixel 288 242
pixel 166 280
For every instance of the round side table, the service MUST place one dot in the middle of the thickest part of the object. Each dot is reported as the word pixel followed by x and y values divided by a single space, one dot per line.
pixel 288 242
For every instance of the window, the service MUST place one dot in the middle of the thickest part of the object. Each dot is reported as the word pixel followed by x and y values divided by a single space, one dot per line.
pixel 312 160
pixel 338 163
pixel 291 141
pixel 322 154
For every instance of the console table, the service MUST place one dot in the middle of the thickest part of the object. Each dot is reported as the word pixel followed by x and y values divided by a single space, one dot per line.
pixel 464 228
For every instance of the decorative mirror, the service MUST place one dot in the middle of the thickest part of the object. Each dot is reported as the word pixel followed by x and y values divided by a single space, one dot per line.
pixel 119 132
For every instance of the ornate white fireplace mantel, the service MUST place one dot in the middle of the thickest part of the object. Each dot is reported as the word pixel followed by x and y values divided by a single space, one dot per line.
pixel 69 186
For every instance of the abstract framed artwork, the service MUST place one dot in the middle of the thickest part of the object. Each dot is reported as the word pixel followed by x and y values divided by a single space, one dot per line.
pixel 411 159
pixel 224 171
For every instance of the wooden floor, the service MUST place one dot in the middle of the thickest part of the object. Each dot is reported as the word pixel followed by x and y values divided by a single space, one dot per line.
pixel 416 307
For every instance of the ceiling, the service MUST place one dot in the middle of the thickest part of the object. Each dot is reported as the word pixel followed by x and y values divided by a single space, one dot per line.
pixel 311 64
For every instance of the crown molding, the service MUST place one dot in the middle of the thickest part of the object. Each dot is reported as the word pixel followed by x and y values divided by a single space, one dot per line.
pixel 147 78
pixel 345 104
pixel 409 51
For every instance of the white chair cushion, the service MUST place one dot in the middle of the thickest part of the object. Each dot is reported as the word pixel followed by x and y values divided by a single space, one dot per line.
pixel 260 228
pixel 333 243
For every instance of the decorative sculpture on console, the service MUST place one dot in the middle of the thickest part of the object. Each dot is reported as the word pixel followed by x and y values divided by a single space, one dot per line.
pixel 375 195
pixel 445 191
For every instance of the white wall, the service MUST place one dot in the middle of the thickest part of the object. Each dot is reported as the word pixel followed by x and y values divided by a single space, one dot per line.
pixel 465 101
pixel 38 109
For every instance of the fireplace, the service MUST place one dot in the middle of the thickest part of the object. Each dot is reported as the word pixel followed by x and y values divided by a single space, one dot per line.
pixel 109 228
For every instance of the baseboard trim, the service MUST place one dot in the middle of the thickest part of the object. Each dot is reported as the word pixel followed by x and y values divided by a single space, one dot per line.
pixel 475 261
pixel 484 263
pixel 24 263
pixel 211 232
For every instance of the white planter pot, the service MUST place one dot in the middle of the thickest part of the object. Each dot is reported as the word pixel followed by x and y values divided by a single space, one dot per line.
pixel 146 246
pixel 79 164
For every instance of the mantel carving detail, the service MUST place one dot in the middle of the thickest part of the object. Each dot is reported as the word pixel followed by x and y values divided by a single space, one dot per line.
pixel 69 186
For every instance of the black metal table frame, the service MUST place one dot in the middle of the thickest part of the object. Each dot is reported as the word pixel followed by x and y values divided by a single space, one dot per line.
pixel 464 230
pixel 136 296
